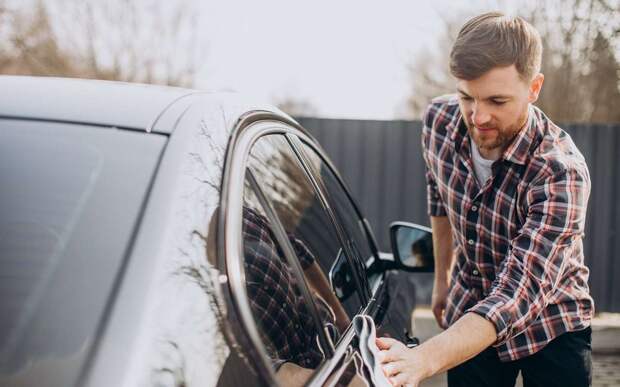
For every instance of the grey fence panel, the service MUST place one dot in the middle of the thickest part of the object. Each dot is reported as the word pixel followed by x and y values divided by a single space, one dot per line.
pixel 382 164
pixel 599 145
pixel 414 192
pixel 615 233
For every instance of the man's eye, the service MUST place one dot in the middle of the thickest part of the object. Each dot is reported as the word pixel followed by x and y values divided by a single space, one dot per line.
pixel 498 102
pixel 466 98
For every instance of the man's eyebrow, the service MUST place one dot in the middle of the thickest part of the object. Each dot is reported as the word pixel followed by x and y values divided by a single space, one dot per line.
pixel 499 96
pixel 495 96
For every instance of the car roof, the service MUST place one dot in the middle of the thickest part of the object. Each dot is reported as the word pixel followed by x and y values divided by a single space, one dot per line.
pixel 122 105
pixel 106 103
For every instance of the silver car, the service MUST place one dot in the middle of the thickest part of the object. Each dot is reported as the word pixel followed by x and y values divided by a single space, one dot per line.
pixel 160 236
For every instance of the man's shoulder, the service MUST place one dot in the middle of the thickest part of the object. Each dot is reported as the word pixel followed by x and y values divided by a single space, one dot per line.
pixel 446 99
pixel 442 113
pixel 556 152
pixel 446 105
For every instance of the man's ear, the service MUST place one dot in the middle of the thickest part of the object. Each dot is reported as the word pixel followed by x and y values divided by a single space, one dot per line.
pixel 535 87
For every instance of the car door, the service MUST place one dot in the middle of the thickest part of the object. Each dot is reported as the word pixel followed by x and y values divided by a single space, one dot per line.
pixel 279 275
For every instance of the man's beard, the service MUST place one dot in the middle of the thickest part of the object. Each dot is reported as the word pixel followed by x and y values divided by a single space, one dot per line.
pixel 502 140
pixel 505 136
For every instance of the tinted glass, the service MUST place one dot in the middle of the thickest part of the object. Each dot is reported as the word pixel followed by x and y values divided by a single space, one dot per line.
pixel 342 205
pixel 70 197
pixel 286 185
pixel 284 320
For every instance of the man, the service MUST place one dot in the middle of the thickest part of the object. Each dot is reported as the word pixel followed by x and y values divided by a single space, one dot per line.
pixel 507 193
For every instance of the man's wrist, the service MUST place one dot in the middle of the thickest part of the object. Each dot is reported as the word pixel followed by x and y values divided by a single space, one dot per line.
pixel 441 279
pixel 429 364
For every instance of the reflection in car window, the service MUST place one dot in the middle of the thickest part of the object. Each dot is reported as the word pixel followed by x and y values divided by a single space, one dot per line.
pixel 286 185
pixel 285 323
pixel 342 205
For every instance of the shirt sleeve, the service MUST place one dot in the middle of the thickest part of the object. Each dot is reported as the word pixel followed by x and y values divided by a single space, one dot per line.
pixel 434 202
pixel 555 222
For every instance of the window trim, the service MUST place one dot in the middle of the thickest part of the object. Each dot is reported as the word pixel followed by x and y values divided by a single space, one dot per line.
pixel 242 328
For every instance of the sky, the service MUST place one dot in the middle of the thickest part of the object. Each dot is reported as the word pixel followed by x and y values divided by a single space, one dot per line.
pixel 348 59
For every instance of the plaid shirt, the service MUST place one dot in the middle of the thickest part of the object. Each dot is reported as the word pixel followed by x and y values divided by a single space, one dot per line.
pixel 286 325
pixel 517 239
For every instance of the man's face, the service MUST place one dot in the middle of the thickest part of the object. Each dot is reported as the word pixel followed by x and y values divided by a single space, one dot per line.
pixel 495 107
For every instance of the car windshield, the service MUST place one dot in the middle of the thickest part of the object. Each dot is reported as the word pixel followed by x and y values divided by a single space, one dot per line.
pixel 70 199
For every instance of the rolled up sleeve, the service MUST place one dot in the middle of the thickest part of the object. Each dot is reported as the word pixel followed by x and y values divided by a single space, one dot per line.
pixel 534 266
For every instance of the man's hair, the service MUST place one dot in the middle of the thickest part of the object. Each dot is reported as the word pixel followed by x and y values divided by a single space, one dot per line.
pixel 496 40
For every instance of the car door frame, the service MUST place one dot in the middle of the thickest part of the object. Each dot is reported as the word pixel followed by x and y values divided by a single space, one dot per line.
pixel 242 332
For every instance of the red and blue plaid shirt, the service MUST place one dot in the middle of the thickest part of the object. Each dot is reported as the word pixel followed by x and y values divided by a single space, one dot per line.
pixel 517 239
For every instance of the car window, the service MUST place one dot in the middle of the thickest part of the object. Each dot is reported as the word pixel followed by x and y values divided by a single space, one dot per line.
pixel 284 318
pixel 70 200
pixel 301 212
pixel 353 224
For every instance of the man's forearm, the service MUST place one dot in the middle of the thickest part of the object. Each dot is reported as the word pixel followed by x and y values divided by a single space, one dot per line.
pixel 466 338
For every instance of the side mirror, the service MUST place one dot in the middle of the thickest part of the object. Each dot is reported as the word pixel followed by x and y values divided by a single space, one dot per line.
pixel 412 246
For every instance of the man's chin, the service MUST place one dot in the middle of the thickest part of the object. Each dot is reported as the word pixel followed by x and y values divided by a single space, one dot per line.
pixel 486 145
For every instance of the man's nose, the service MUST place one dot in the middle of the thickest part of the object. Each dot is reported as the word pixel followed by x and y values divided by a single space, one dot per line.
pixel 480 116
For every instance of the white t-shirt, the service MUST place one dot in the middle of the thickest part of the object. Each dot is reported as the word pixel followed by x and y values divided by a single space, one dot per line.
pixel 482 166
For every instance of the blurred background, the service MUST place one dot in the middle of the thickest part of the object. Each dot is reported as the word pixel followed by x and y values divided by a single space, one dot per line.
pixel 345 59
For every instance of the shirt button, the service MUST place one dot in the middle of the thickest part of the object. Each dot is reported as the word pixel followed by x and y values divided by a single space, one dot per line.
pixel 474 208
pixel 475 272
pixel 471 242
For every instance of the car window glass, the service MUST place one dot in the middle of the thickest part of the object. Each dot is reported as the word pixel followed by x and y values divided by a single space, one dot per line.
pixel 282 178
pixel 282 315
pixel 70 199
pixel 341 204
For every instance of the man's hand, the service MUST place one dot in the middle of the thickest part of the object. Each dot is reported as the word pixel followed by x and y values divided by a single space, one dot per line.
pixel 469 336
pixel 438 301
pixel 403 366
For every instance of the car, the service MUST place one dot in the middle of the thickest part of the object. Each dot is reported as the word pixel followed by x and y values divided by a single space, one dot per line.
pixel 161 236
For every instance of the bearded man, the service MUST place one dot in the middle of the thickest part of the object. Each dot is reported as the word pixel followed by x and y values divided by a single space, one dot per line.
pixel 507 194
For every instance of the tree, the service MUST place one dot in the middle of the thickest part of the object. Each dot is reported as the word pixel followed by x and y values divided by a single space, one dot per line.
pixel 580 61
pixel 140 41
pixel 296 107
pixel 580 66
pixel 429 71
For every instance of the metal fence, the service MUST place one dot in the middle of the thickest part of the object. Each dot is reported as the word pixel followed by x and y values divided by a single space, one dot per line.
pixel 382 164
